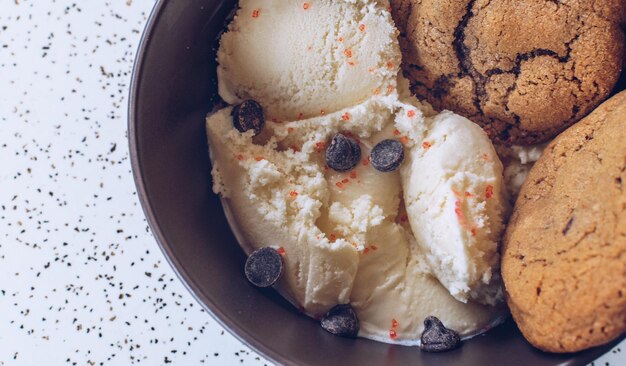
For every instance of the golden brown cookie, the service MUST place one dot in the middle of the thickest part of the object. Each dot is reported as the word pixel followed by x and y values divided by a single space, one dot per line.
pixel 522 69
pixel 564 251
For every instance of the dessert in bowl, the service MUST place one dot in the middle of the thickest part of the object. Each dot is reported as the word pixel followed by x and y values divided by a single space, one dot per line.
pixel 388 110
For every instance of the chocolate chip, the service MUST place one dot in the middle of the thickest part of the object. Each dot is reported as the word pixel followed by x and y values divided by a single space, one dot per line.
pixel 387 155
pixel 263 267
pixel 248 116
pixel 343 154
pixel 341 320
pixel 437 338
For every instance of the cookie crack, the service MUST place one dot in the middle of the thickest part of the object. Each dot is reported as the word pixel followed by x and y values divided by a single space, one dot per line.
pixel 461 50
pixel 585 235
pixel 415 67
pixel 527 56
pixel 516 70
pixel 466 66
pixel 442 85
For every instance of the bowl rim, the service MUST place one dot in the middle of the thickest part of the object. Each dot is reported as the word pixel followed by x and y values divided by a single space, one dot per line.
pixel 188 282
pixel 135 158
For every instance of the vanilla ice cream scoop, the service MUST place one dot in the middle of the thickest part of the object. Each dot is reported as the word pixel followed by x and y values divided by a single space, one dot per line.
pixel 306 58
pixel 456 203
pixel 277 197
pixel 399 245
pixel 344 235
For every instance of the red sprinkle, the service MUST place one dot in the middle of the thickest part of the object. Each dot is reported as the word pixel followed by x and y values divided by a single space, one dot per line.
pixel 366 250
pixel 489 192
pixel 392 331
pixel 339 184
pixel 390 65
pixel 346 116
pixel 353 175
pixel 366 161
pixel 300 116
pixel 426 145
pixel 459 212
pixel 281 251
pixel 259 158
pixel 348 52
pixel 332 237
pixel 340 39
pixel 376 91
pixel 293 194
pixel 319 146
pixel 322 112
pixel 345 181
pixel 239 157
pixel 404 140
pixel 374 247
pixel 305 6
pixel 362 27
pixel 485 157
pixel 389 89
pixel 289 129
pixel 396 132
pixel 351 63
pixel 410 114
pixel 255 13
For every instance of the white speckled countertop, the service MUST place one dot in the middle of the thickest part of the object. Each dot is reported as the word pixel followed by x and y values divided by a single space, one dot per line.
pixel 82 281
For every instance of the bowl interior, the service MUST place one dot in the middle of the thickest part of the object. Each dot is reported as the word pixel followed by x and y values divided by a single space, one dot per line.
pixel 173 88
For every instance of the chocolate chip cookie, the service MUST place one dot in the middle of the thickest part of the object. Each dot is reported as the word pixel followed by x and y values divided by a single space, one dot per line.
pixel 523 69
pixel 564 251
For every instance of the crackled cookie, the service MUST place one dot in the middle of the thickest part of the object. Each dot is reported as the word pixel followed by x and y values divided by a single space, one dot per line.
pixel 522 69
pixel 564 252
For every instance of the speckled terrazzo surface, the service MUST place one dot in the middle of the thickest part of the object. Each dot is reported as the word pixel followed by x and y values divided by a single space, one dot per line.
pixel 82 281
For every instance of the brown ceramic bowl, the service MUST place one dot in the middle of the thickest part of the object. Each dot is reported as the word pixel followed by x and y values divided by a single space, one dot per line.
pixel 172 91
